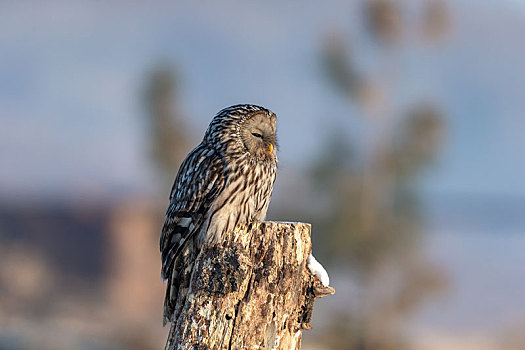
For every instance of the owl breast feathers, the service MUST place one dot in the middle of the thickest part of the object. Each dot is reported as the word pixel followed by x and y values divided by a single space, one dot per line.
pixel 227 180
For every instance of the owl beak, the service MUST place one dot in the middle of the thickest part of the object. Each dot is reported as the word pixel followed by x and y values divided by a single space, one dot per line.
pixel 270 148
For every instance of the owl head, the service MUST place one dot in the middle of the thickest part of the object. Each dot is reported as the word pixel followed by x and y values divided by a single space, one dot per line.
pixel 244 130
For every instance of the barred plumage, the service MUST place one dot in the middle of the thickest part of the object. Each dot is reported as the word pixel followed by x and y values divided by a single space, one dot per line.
pixel 227 180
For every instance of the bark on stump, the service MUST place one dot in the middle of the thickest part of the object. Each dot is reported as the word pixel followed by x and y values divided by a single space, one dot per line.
pixel 255 292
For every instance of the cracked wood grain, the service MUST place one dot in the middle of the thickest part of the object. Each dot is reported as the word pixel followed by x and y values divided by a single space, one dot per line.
pixel 254 292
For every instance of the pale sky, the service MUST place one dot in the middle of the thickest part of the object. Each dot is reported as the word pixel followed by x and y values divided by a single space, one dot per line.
pixel 71 77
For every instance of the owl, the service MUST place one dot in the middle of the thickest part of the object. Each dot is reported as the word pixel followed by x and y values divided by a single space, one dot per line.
pixel 227 180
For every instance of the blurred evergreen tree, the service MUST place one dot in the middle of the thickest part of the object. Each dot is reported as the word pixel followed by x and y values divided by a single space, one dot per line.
pixel 373 220
pixel 169 141
pixel 383 18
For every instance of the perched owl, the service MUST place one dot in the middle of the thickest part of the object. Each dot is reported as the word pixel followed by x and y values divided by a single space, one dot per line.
pixel 227 180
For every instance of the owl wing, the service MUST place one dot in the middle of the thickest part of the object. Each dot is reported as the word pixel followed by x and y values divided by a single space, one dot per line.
pixel 199 181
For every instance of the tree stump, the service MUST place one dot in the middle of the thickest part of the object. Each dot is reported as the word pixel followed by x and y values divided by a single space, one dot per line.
pixel 255 292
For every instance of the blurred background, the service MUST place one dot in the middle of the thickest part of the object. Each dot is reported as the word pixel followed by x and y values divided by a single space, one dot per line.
pixel 401 140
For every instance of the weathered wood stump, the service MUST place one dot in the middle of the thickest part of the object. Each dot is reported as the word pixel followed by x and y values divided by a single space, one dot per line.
pixel 255 292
